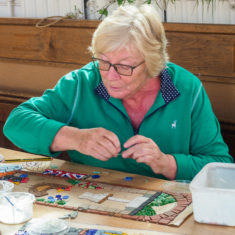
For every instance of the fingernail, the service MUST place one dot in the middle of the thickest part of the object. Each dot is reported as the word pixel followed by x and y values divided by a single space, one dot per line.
pixel 118 154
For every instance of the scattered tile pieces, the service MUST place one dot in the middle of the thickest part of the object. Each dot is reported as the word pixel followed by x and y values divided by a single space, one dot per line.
pixel 73 181
pixel 89 185
pixel 41 189
pixel 95 176
pixel 128 178
pixel 61 173
pixel 23 175
pixel 54 166
pixel 61 202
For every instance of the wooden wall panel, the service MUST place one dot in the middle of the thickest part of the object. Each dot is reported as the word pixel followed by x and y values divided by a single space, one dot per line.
pixel 204 54
pixel 62 45
pixel 222 96
pixel 30 43
pixel 206 50
pixel 27 80
pixel 32 60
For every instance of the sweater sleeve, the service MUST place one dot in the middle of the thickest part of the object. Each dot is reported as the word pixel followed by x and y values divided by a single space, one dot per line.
pixel 206 143
pixel 33 125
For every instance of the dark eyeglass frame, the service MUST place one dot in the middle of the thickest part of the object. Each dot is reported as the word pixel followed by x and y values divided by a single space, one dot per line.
pixel 114 66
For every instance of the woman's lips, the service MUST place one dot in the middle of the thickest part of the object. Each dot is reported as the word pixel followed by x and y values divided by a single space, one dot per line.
pixel 115 88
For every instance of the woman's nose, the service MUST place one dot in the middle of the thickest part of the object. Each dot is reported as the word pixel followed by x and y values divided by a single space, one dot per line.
pixel 112 74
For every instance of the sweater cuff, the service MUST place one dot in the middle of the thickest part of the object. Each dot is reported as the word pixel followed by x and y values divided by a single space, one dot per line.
pixel 47 135
pixel 183 167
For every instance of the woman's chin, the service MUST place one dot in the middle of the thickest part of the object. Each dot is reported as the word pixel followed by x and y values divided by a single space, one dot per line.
pixel 117 94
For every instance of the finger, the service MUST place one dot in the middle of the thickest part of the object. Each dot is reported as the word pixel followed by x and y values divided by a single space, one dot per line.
pixel 108 146
pixel 137 151
pixel 112 138
pixel 101 152
pixel 97 155
pixel 147 159
pixel 100 157
pixel 137 139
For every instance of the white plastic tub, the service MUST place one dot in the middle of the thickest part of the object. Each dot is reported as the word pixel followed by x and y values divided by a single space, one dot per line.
pixel 16 207
pixel 213 194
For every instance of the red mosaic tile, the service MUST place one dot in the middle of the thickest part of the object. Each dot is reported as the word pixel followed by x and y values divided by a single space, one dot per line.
pixel 164 221
pixel 169 213
pixel 147 218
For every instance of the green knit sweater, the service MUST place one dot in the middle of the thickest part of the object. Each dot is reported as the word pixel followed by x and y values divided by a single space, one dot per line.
pixel 181 121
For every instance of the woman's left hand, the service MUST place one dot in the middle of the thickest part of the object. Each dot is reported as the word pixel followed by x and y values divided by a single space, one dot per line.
pixel 145 150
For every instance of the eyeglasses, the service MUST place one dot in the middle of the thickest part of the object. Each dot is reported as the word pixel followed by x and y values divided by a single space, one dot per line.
pixel 122 69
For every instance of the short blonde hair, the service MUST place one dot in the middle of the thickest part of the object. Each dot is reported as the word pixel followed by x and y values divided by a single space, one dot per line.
pixel 138 27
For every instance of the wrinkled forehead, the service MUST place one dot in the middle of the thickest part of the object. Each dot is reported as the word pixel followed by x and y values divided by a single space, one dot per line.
pixel 128 50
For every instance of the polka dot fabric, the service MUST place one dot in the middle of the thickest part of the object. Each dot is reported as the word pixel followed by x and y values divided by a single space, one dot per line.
pixel 102 91
pixel 169 91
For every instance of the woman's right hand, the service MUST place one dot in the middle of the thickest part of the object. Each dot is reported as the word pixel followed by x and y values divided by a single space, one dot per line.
pixel 96 142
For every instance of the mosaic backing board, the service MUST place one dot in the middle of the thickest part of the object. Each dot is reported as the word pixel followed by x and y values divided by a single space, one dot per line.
pixel 104 199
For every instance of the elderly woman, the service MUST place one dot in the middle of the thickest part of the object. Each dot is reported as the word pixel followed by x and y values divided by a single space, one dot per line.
pixel 129 110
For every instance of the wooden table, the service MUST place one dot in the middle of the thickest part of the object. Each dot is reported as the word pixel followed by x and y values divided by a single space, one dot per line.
pixel 189 226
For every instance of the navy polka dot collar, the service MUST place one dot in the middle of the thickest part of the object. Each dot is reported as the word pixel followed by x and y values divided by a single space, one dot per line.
pixel 167 87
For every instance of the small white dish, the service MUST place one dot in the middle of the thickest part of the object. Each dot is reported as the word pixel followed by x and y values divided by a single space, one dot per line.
pixel 6 186
pixel 47 227
pixel 1 158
